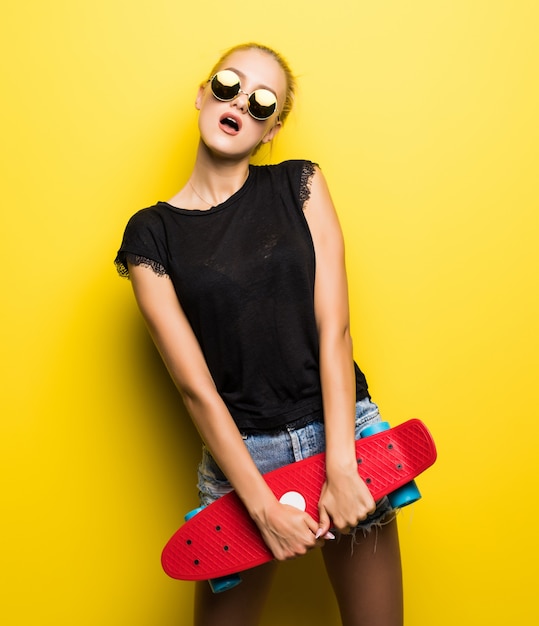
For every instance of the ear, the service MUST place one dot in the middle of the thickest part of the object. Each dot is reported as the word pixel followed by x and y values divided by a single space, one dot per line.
pixel 198 100
pixel 270 135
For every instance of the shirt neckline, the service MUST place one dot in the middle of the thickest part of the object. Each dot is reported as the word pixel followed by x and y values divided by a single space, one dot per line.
pixel 218 207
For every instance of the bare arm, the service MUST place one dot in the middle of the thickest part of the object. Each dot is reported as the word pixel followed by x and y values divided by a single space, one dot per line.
pixel 345 499
pixel 287 532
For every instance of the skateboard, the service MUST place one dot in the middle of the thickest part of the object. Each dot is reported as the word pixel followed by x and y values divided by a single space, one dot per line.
pixel 221 539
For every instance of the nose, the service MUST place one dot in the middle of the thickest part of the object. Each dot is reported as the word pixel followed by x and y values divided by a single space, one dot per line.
pixel 241 101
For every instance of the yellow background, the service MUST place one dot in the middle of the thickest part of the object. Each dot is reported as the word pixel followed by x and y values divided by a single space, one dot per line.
pixel 423 115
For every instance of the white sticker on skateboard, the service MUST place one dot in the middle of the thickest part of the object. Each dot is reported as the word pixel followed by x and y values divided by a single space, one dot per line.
pixel 295 499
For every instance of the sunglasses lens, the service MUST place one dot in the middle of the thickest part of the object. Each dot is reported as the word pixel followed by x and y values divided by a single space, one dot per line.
pixel 225 85
pixel 262 104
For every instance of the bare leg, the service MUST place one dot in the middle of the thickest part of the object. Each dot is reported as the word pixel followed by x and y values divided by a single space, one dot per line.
pixel 240 606
pixel 368 581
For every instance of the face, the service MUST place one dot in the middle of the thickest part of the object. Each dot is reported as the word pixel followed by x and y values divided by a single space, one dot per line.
pixel 226 127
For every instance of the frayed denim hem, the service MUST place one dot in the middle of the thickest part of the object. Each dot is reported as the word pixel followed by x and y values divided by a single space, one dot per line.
pixel 384 515
pixel 373 523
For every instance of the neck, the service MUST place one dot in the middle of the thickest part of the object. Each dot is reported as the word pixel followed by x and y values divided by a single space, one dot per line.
pixel 215 179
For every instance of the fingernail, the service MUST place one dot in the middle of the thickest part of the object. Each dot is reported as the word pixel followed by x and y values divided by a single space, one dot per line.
pixel 329 535
pixel 318 534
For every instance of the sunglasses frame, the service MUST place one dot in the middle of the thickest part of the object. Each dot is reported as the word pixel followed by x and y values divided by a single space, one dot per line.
pixel 249 95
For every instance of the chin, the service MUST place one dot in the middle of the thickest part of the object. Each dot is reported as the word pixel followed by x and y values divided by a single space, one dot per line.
pixel 225 152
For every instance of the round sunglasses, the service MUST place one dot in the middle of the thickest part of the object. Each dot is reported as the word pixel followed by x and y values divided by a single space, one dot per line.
pixel 226 85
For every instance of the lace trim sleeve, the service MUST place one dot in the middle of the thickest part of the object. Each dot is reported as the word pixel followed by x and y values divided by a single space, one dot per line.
pixel 305 184
pixel 135 259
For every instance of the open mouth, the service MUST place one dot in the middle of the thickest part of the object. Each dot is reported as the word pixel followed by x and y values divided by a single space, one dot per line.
pixel 230 123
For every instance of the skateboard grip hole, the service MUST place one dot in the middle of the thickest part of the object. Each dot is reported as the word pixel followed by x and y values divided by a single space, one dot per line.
pixel 390 446
pixel 359 461
pixel 189 542
pixel 217 528
pixel 368 481
pixel 196 562
pixel 226 548
pixel 399 466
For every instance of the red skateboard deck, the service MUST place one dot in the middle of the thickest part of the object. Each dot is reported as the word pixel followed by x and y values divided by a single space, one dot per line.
pixel 222 538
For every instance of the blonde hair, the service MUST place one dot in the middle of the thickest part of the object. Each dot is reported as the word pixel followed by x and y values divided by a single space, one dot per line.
pixel 290 78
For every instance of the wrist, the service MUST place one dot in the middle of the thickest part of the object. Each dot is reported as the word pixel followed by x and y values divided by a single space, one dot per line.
pixel 259 503
pixel 341 465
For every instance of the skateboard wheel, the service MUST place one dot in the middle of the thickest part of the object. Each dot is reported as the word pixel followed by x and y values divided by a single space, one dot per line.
pixel 408 493
pixel 405 495
pixel 374 428
pixel 217 585
pixel 192 513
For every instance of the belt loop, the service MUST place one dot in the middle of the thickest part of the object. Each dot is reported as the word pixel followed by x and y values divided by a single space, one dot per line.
pixel 296 445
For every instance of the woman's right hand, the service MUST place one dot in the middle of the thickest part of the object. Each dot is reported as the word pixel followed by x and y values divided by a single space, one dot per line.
pixel 287 531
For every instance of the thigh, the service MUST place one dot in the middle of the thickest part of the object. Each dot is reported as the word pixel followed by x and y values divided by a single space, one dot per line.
pixel 240 606
pixel 365 572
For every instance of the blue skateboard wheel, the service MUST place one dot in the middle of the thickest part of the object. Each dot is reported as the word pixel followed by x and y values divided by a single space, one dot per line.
pixel 374 428
pixel 192 513
pixel 408 493
pixel 405 495
pixel 218 585
pixel 224 583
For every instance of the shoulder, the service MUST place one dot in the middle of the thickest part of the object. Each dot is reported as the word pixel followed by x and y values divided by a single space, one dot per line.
pixel 147 217
pixel 151 221
pixel 144 241
pixel 292 177
pixel 288 168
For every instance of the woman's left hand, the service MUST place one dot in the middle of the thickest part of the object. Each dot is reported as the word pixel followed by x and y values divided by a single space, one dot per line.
pixel 345 501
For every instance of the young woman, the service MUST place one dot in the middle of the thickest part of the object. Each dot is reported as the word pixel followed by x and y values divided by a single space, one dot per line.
pixel 241 280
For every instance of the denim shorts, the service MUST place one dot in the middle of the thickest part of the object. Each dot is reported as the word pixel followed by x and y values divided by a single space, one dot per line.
pixel 275 449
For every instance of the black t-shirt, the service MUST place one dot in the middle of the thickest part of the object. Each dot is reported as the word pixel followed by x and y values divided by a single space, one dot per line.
pixel 244 274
